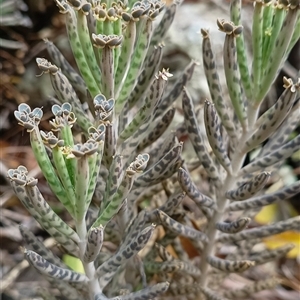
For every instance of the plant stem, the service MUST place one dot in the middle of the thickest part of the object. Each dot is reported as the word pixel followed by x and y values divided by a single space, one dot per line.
pixel 222 202
pixel 89 268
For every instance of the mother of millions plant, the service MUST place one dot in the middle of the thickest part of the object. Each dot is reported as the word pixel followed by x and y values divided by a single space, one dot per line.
pixel 118 163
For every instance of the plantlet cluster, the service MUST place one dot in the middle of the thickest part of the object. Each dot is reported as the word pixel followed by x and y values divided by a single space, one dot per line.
pixel 123 180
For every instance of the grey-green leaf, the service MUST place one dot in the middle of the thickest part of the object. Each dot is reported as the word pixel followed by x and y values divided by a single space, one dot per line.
pixel 52 270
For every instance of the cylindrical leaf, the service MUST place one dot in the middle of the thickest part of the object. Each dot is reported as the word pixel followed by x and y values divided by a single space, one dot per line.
pixel 228 265
pixel 51 270
pixel 233 227
pixel 249 188
pixel 94 244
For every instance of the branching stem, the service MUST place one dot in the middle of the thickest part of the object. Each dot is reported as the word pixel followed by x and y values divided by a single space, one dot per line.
pixel 89 268
pixel 222 202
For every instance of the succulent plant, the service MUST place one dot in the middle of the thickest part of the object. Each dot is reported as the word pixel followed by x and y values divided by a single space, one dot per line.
pixel 11 15
pixel 123 182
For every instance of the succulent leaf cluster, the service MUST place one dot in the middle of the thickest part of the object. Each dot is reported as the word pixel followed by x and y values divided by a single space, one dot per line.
pixel 123 182
pixel 11 13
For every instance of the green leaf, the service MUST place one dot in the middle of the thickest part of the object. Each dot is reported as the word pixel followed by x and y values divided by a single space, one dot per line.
pixel 242 59
pixel 277 53
pixel 77 49
pixel 74 263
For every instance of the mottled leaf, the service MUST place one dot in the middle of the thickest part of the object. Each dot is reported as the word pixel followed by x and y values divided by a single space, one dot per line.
pixel 148 293
pixel 52 270
pixel 192 191
pixel 283 132
pixel 249 188
pixel 231 70
pixel 127 55
pixel 109 145
pixel 214 85
pixel 196 137
pixel 270 255
pixel 168 207
pixel 277 54
pixel 210 294
pixel 94 244
pixel 160 126
pixel 163 169
pixel 86 43
pixel 146 111
pixel 282 194
pixel 277 155
pixel 106 271
pixel 261 232
pixel 213 131
pixel 176 90
pixel 228 265
pixel 38 246
pixel 181 229
pixel 274 116
pixel 151 66
pixel 235 13
pixel 75 79
pixel 233 227
pixel 77 49
pixel 140 51
pixel 257 44
pixel 250 289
